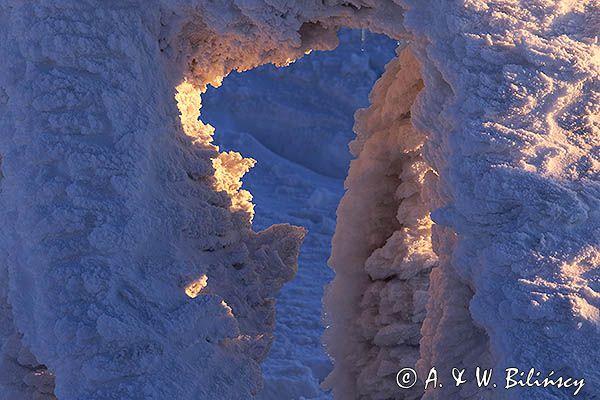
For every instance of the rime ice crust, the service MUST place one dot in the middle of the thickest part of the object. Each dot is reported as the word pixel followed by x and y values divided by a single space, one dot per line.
pixel 513 134
pixel 381 248
pixel 109 209
pixel 209 40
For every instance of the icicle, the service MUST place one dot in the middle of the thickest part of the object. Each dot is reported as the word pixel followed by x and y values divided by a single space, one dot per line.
pixel 362 39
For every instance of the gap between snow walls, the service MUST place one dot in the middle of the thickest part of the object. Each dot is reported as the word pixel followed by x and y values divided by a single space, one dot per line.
pixel 382 250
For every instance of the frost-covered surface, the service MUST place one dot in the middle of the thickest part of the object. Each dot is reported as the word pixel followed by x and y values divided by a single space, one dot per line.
pixel 309 107
pixel 112 205
pixel 381 249
pixel 111 210
pixel 511 110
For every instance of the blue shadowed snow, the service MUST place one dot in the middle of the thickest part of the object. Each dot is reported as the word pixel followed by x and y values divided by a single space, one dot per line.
pixel 297 122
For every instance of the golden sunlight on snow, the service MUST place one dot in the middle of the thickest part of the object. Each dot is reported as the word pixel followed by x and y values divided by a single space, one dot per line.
pixel 229 167
pixel 189 103
pixel 194 288
pixel 227 308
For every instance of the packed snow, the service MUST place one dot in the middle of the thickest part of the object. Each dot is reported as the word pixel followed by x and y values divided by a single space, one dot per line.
pixel 130 268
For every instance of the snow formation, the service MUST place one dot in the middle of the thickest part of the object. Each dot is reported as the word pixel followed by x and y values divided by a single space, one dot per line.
pixel 382 248
pixel 510 107
pixel 296 123
pixel 115 203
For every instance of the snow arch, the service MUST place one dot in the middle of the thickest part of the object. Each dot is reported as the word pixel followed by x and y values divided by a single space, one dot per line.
pixel 129 265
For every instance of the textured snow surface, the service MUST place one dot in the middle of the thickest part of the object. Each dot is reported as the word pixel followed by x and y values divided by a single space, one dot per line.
pixel 309 106
pixel 115 209
pixel 511 112
pixel 382 250
pixel 115 204
pixel 304 112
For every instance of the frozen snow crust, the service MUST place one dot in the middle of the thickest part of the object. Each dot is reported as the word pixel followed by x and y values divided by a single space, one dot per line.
pixel 114 200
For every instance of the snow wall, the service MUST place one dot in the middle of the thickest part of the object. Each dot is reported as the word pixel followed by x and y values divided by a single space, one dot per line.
pixel 129 266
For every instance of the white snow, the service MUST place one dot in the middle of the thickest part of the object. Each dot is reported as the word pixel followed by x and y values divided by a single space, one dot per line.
pixel 382 250
pixel 114 200
pixel 300 154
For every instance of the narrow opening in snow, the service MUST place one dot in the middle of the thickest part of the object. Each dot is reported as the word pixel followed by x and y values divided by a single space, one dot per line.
pixel 296 122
